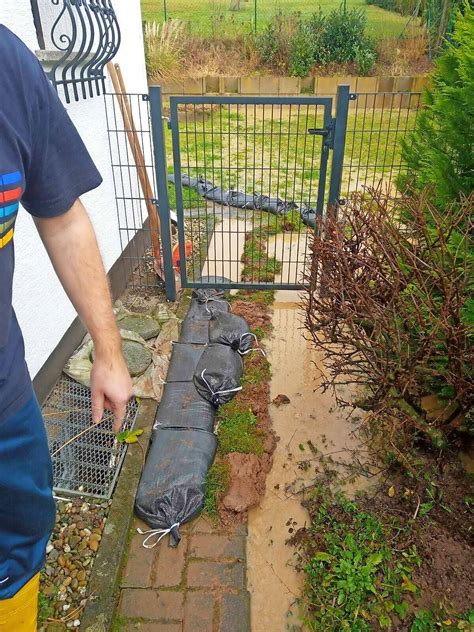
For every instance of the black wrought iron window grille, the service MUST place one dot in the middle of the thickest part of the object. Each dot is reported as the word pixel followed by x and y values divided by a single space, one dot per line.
pixel 87 34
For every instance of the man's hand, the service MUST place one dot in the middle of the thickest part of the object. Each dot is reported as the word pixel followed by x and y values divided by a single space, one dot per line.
pixel 72 247
pixel 111 388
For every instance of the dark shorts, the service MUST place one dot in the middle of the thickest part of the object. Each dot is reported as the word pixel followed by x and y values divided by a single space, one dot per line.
pixel 27 507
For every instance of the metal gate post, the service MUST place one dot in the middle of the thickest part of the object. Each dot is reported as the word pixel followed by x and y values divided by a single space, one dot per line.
pixel 339 143
pixel 163 202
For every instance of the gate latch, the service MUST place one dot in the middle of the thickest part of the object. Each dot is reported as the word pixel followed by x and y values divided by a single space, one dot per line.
pixel 326 132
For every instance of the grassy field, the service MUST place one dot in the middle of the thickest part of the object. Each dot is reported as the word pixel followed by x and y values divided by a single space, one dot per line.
pixel 212 17
pixel 267 149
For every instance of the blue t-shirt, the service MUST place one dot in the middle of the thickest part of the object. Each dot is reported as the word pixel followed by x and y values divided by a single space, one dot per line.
pixel 45 166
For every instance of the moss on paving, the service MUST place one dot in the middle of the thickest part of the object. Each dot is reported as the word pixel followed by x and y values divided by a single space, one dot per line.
pixel 266 297
pixel 258 266
pixel 217 484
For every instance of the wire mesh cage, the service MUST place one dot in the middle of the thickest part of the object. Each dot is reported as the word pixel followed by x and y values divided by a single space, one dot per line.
pixel 90 464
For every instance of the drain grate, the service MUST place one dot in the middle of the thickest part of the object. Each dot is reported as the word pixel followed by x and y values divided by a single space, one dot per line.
pixel 90 465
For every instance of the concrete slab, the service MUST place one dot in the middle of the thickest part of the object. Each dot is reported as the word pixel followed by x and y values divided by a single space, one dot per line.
pixel 226 248
pixel 291 250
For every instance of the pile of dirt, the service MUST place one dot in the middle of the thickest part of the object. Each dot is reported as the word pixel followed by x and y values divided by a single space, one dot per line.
pixel 247 483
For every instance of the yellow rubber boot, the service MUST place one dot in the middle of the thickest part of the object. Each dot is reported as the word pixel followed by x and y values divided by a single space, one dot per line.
pixel 20 613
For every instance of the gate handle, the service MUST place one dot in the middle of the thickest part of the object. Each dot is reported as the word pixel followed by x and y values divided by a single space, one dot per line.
pixel 319 131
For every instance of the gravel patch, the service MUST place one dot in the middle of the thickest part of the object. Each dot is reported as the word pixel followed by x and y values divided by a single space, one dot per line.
pixel 69 560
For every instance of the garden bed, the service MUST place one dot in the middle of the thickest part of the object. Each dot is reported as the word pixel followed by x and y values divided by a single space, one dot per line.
pixel 399 558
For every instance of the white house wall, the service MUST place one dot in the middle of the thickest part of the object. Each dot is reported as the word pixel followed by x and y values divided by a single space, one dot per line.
pixel 42 308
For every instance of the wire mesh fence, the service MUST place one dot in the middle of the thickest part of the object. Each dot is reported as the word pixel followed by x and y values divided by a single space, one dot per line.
pixel 262 150
pixel 376 126
pixel 132 161
pixel 231 18
pixel 89 464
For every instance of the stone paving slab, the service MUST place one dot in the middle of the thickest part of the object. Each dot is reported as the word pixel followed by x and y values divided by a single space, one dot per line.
pixel 200 586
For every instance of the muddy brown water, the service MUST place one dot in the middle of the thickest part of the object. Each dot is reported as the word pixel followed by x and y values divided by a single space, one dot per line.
pixel 273 581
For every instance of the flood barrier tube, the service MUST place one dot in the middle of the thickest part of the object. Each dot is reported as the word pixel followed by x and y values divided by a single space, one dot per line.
pixel 204 309
pixel 195 331
pixel 218 374
pixel 182 407
pixel 172 485
pixel 206 301
pixel 309 216
pixel 184 360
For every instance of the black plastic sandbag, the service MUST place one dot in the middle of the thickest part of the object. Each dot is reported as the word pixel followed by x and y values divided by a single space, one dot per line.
pixel 172 485
pixel 181 406
pixel 203 186
pixel 309 216
pixel 218 374
pixel 204 309
pixel 216 194
pixel 273 205
pixel 213 287
pixel 206 302
pixel 186 181
pixel 231 330
pixel 203 294
pixel 241 200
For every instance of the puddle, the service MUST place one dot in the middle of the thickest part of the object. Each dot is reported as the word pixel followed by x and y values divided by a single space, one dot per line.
pixel 273 582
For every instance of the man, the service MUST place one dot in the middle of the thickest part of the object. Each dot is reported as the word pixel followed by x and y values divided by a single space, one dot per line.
pixel 45 166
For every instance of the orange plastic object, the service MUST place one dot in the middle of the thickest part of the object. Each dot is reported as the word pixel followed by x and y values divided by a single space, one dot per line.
pixel 19 614
pixel 188 249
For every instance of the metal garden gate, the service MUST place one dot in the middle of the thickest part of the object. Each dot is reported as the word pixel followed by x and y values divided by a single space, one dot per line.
pixel 250 177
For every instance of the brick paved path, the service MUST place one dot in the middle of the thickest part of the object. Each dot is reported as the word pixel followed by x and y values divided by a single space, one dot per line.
pixel 198 587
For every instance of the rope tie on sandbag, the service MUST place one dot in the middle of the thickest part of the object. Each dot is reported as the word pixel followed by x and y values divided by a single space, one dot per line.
pixel 152 533
pixel 3 581
pixel 215 394
pixel 257 348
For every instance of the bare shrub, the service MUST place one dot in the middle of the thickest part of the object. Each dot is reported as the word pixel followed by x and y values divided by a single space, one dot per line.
pixel 220 56
pixel 402 56
pixel 396 315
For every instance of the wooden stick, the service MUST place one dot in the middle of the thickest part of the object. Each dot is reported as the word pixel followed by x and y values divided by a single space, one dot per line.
pixel 77 436
pixel 137 152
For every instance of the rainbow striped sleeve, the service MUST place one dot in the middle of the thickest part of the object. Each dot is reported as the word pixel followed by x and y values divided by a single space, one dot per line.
pixel 10 196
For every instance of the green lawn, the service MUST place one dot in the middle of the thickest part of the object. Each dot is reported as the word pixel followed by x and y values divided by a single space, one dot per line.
pixel 209 17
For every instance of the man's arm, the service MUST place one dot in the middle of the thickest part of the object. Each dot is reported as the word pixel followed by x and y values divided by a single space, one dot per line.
pixel 72 247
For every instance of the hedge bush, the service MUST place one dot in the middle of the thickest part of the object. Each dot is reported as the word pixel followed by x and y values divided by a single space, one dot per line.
pixel 295 44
